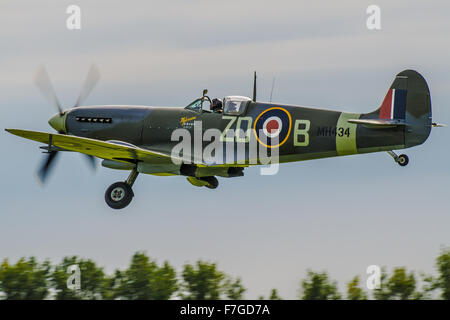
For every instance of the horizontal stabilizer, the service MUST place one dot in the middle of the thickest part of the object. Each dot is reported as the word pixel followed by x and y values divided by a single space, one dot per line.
pixel 378 123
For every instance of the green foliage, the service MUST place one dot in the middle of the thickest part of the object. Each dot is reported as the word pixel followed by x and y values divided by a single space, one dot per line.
pixel 93 282
pixel 274 295
pixel 354 291
pixel 443 266
pixel 202 281
pixel 26 279
pixel 234 290
pixel 428 286
pixel 144 279
pixel 382 292
pixel 400 286
pixel 317 286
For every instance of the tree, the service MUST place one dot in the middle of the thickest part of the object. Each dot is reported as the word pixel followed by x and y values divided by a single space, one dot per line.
pixel 27 279
pixel 164 282
pixel 274 295
pixel 401 285
pixel 428 286
pixel 144 279
pixel 382 293
pixel 354 292
pixel 317 286
pixel 202 281
pixel 93 280
pixel 234 290
pixel 443 266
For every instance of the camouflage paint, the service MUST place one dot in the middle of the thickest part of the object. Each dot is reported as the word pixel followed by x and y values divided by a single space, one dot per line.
pixel 313 133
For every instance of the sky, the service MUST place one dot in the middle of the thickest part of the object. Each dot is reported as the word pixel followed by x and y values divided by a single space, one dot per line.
pixel 337 214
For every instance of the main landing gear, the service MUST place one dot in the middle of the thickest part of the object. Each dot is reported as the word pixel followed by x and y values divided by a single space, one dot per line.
pixel 402 159
pixel 120 194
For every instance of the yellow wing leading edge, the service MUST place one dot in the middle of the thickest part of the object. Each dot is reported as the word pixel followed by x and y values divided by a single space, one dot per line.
pixel 96 148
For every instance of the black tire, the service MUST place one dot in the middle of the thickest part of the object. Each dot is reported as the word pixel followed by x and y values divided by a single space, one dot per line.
pixel 403 160
pixel 119 195
pixel 212 182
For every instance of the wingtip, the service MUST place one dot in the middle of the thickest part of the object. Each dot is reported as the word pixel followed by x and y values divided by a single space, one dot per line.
pixel 12 131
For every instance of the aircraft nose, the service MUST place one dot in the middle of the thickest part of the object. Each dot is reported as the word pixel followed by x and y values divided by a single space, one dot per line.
pixel 58 122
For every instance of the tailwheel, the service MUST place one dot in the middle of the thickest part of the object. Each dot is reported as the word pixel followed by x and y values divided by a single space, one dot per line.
pixel 403 160
pixel 120 194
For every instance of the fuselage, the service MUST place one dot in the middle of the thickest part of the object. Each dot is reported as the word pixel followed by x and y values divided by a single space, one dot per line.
pixel 307 133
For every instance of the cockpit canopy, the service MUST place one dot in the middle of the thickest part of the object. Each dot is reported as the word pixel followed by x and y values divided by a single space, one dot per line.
pixel 232 105
pixel 235 105
pixel 197 105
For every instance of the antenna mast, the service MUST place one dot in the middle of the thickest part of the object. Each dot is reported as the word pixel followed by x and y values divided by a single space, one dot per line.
pixel 254 86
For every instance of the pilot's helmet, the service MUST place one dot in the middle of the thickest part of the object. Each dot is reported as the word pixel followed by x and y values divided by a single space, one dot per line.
pixel 216 104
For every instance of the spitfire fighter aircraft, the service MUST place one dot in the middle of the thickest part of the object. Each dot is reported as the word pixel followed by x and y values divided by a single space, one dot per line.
pixel 140 139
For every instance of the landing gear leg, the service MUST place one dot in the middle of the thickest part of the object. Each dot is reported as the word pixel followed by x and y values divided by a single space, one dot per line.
pixel 120 194
pixel 402 159
pixel 132 177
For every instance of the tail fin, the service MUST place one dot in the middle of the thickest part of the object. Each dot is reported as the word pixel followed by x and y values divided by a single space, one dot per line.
pixel 408 100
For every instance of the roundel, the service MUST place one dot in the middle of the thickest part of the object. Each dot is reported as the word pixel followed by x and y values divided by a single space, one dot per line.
pixel 272 127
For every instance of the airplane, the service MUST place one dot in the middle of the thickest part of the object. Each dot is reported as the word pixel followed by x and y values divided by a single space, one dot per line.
pixel 139 139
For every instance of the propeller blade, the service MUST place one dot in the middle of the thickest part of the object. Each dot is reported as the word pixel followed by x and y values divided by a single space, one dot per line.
pixel 46 167
pixel 92 161
pixel 89 84
pixel 42 81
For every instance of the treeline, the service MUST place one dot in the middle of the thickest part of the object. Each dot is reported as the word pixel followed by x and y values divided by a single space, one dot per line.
pixel 145 279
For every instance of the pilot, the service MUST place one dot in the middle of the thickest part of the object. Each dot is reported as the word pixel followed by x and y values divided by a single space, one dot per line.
pixel 216 105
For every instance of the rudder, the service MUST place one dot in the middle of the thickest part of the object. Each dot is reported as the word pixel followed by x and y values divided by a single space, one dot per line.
pixel 408 100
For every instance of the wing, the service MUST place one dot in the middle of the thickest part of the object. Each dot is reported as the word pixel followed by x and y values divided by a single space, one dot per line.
pixel 97 148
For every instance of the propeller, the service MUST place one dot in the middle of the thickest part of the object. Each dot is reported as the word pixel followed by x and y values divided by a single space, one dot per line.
pixel 42 81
